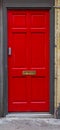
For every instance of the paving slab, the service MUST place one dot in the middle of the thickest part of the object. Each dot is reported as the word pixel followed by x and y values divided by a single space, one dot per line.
pixel 17 123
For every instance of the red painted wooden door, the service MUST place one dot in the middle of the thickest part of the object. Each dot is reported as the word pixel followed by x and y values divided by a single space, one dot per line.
pixel 28 62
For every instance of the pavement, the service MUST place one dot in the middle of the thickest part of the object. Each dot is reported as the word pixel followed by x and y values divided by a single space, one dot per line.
pixel 17 123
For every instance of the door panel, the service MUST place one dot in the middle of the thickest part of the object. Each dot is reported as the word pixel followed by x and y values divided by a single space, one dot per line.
pixel 28 64
pixel 19 50
pixel 16 22
pixel 20 94
pixel 38 92
pixel 38 49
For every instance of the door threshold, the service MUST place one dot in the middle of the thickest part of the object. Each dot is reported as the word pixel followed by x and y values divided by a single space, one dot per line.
pixel 30 115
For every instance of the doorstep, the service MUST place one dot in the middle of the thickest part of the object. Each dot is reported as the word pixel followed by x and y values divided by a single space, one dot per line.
pixel 30 115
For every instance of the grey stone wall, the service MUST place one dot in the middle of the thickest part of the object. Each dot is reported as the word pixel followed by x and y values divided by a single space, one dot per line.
pixel 1 61
pixel 28 3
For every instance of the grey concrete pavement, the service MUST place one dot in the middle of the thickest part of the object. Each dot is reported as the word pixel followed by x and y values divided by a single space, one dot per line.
pixel 17 123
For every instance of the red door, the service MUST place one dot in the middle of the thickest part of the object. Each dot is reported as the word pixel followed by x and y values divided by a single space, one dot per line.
pixel 28 60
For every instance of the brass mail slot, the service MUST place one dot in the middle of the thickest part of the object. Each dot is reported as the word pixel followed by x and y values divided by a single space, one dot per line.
pixel 29 72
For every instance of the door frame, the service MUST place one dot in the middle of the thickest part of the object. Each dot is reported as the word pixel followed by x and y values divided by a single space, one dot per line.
pixel 5 55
